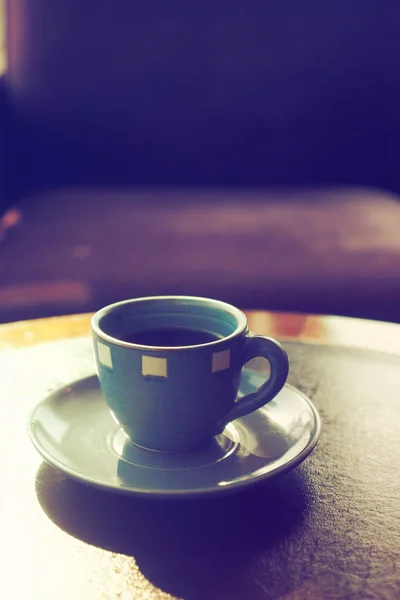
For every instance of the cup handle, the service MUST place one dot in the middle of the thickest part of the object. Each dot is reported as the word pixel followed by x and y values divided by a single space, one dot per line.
pixel 276 355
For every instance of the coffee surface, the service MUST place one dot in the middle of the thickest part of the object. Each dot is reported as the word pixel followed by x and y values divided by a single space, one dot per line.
pixel 170 336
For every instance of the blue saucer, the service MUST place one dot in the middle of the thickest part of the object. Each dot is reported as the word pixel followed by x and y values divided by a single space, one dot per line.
pixel 74 431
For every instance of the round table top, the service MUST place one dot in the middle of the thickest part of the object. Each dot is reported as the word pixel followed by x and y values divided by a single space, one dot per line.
pixel 328 529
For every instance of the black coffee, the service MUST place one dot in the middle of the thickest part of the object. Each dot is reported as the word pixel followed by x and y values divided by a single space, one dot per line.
pixel 170 336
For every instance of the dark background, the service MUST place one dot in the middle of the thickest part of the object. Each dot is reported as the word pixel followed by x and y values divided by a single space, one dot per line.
pixel 245 151
pixel 220 93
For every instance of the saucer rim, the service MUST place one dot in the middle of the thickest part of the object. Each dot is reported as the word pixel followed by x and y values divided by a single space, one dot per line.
pixel 247 481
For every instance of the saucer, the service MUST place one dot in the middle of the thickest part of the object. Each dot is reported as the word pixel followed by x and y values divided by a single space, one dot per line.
pixel 75 432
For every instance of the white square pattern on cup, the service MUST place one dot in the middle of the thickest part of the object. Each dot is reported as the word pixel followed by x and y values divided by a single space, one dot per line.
pixel 221 360
pixel 104 354
pixel 151 365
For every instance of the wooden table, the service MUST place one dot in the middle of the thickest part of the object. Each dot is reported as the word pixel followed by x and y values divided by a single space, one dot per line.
pixel 329 529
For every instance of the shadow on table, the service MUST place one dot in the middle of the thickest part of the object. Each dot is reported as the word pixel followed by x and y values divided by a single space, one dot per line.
pixel 193 548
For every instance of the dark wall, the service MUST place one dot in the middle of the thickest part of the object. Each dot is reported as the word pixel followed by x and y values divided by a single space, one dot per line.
pixel 215 92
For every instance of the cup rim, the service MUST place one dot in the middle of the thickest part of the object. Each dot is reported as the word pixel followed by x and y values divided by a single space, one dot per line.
pixel 229 308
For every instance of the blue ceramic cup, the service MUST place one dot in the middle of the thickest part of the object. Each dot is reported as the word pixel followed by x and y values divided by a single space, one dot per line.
pixel 177 398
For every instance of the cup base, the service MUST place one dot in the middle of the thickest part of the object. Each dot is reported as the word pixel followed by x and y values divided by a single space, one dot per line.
pixel 214 451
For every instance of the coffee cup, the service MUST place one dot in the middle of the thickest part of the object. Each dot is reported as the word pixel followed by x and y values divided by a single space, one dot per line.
pixel 170 367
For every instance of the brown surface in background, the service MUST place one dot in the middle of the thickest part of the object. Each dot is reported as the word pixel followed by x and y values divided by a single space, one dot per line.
pixel 2 39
